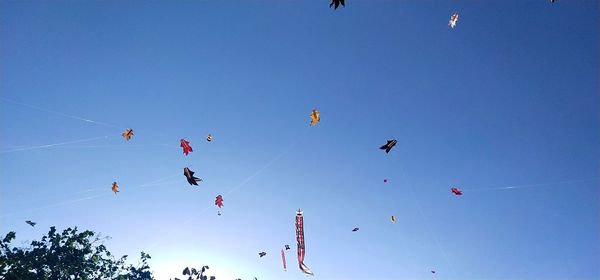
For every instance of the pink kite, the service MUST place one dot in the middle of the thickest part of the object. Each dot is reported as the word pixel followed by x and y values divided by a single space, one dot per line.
pixel 283 260
pixel 219 201
pixel 186 146
pixel 456 191
pixel 300 239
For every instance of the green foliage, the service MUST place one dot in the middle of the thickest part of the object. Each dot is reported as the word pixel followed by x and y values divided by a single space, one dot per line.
pixel 194 274
pixel 65 256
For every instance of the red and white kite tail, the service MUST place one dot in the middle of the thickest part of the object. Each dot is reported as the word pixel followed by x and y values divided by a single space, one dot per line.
pixel 283 260
pixel 300 239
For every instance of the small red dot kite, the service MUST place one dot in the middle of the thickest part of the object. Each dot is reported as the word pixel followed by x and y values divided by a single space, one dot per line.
pixel 456 191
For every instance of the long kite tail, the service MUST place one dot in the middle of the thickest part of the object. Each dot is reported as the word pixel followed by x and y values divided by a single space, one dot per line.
pixel 300 239
pixel 283 260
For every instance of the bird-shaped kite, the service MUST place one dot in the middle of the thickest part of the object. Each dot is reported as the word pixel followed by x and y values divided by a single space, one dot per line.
pixel 393 219
pixel 219 201
pixel 287 247
pixel 115 187
pixel 262 254
pixel 336 3
pixel 453 20
pixel 209 137
pixel 433 271
pixel 189 175
pixel 389 145
pixel 186 146
pixel 315 117
pixel 30 223
pixel 456 191
pixel 127 134
pixel 355 229
pixel 385 180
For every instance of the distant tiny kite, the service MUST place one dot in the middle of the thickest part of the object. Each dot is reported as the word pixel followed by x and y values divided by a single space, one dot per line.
pixel 389 145
pixel 115 187
pixel 453 20
pixel 315 117
pixel 456 191
pixel 127 134
pixel 30 223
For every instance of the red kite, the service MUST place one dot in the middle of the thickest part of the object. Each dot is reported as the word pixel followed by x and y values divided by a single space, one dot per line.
pixel 219 201
pixel 186 146
pixel 456 191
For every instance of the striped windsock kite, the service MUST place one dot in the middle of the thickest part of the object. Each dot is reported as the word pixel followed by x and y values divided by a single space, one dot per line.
pixel 300 239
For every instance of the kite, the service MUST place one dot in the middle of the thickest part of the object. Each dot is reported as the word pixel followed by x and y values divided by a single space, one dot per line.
pixel 262 254
pixel 115 187
pixel 385 180
pixel 189 175
pixel 453 20
pixel 219 213
pixel 287 247
pixel 283 260
pixel 336 3
pixel 219 201
pixel 300 239
pixel 315 117
pixel 456 191
pixel 389 145
pixel 433 271
pixel 186 146
pixel 30 223
pixel 393 219
pixel 355 229
pixel 209 138
pixel 127 134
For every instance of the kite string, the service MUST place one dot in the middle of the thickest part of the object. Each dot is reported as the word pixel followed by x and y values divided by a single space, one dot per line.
pixel 53 145
pixel 533 185
pixel 427 224
pixel 59 113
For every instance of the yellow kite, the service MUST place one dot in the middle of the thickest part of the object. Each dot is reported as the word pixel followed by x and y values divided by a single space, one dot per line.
pixel 127 134
pixel 315 117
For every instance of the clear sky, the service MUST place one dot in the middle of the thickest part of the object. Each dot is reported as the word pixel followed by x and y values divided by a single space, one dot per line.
pixel 507 98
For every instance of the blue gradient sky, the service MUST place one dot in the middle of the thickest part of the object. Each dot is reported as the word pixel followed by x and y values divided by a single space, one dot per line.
pixel 509 97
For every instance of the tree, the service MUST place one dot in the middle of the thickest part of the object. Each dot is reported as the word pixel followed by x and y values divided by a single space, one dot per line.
pixel 66 256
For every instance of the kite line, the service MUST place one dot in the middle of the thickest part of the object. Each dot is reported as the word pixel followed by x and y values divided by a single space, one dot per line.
pixel 59 113
pixel 53 145
pixel 534 185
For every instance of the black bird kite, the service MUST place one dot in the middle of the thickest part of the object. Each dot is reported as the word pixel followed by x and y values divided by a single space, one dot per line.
pixel 189 175
pixel 30 223
pixel 389 145
pixel 336 3
pixel 262 254
pixel 355 229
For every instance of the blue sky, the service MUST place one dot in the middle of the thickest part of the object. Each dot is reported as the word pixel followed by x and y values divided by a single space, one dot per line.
pixel 507 98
